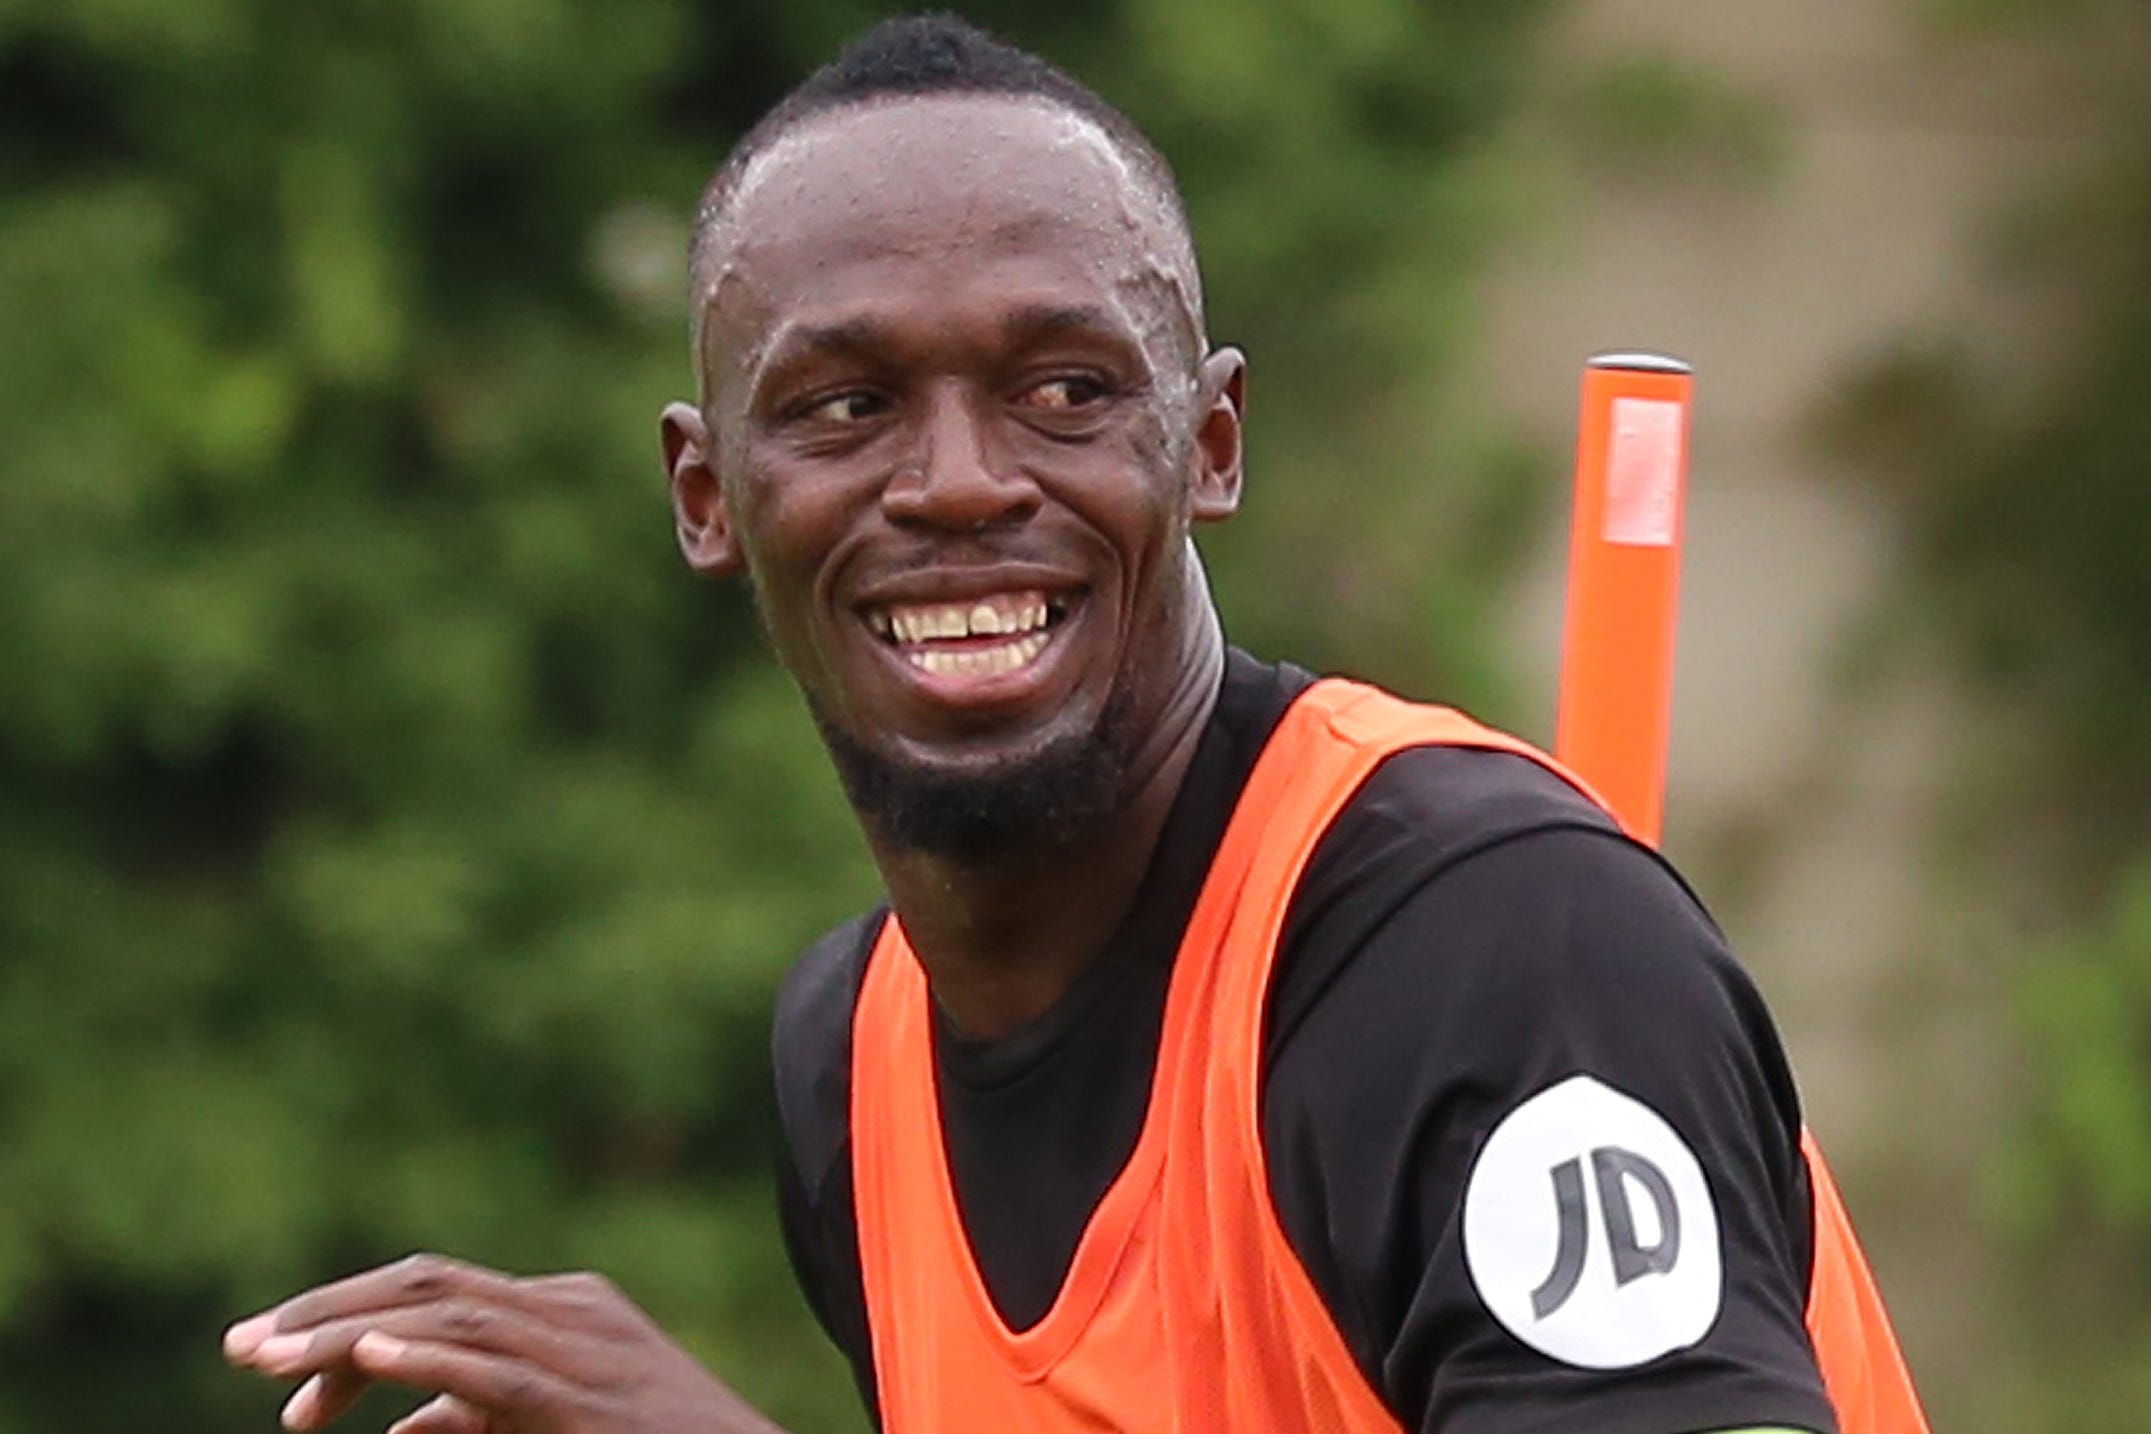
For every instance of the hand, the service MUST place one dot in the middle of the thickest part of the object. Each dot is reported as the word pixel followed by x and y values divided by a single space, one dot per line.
pixel 561 1354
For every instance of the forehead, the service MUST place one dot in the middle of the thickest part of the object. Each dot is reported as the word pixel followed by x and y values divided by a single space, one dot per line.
pixel 914 197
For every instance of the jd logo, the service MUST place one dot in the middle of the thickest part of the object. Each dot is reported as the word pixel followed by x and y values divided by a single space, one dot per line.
pixel 1631 1259
pixel 1589 1230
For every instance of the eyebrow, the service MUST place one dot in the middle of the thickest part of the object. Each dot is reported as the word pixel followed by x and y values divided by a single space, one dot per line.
pixel 839 340
pixel 799 343
pixel 1043 320
pixel 869 337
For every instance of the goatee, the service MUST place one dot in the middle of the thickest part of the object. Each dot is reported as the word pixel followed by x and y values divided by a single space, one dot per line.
pixel 984 815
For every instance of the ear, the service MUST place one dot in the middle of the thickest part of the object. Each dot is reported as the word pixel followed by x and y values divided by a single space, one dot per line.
pixel 1218 433
pixel 699 513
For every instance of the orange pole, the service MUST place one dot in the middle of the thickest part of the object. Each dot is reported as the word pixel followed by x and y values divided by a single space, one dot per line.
pixel 1616 703
pixel 1616 713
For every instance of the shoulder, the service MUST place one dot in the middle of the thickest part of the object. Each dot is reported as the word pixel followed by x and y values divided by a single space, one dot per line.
pixel 1529 946
pixel 810 1043
pixel 1476 898
pixel 1426 808
pixel 1462 795
pixel 1452 827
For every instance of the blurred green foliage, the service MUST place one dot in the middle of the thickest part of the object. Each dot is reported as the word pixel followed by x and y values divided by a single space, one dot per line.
pixel 396 850
pixel 2024 478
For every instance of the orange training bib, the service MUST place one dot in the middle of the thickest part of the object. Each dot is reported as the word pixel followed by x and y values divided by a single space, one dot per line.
pixel 1185 1308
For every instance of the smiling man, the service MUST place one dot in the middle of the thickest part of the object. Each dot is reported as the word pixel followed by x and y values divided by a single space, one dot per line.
pixel 1234 1051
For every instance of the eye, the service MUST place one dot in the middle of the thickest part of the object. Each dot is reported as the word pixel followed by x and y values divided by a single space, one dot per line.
pixel 854 405
pixel 1064 391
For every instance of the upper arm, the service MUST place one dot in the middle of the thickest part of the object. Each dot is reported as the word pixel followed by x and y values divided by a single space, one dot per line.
pixel 1537 1145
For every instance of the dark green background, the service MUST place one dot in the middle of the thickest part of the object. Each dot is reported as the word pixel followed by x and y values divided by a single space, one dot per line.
pixel 398 850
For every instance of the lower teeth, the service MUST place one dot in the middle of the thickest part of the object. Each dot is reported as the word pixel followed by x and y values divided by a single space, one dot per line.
pixel 980 662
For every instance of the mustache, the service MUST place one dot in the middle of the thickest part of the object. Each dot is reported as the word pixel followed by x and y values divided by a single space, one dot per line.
pixel 985 549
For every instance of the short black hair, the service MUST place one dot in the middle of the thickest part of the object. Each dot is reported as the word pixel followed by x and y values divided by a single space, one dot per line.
pixel 934 53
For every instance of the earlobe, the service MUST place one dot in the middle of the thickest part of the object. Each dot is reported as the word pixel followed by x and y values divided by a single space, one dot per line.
pixel 1218 434
pixel 700 516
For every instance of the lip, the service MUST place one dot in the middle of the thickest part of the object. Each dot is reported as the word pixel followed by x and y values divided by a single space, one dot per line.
pixel 965 584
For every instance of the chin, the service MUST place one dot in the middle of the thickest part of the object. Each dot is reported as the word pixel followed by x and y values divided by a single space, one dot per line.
pixel 988 806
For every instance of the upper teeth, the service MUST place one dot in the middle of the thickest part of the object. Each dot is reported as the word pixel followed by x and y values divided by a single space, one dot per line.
pixel 1002 614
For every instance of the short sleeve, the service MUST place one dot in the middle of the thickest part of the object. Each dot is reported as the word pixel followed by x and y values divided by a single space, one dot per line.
pixel 1534 1137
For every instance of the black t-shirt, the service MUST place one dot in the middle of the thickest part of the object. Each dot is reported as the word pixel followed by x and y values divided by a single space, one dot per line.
pixel 1528 1125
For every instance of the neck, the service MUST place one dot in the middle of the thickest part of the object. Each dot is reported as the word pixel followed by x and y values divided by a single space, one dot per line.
pixel 1002 940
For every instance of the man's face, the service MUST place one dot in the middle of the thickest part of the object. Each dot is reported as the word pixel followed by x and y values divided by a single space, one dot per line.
pixel 959 425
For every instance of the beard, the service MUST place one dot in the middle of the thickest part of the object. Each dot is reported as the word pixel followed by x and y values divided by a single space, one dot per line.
pixel 980 816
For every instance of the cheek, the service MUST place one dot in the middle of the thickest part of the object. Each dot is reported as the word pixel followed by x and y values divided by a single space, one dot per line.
pixel 787 531
pixel 788 521
pixel 1163 503
pixel 1125 494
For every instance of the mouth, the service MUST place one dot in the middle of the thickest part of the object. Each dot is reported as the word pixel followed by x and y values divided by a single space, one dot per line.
pixel 987 636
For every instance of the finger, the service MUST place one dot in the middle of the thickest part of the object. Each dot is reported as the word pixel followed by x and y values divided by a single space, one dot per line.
pixel 325 1396
pixel 468 1322
pixel 418 1279
pixel 585 1301
pixel 243 1338
pixel 445 1415
pixel 491 1383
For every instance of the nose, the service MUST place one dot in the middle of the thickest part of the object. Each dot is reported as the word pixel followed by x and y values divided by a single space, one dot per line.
pixel 957 481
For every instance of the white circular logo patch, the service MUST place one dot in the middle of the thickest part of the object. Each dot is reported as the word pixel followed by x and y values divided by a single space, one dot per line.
pixel 1589 1230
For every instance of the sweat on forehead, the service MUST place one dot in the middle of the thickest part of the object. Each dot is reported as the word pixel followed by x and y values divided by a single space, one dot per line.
pixel 878 160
